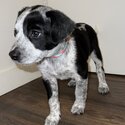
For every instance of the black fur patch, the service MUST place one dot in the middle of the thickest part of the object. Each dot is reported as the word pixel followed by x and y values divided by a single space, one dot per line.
pixel 61 25
pixel 48 88
pixel 94 41
pixel 86 42
pixel 15 32
pixel 53 29
pixel 83 51
pixel 35 22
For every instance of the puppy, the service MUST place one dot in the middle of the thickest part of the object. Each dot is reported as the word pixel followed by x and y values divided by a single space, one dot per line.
pixel 60 48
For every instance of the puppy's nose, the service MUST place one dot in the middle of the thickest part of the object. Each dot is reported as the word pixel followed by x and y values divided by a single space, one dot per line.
pixel 14 54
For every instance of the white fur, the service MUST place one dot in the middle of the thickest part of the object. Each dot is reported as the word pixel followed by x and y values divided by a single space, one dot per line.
pixel 62 67
pixel 82 27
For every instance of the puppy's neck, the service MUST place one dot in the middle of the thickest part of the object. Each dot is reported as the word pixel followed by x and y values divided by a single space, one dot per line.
pixel 60 50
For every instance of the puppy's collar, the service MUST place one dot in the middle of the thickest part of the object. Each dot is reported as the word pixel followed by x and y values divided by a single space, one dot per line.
pixel 60 51
pixel 63 49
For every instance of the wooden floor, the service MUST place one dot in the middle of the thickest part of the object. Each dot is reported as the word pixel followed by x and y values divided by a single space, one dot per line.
pixel 28 105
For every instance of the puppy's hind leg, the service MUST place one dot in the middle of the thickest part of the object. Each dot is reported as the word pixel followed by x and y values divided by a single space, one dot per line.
pixel 97 58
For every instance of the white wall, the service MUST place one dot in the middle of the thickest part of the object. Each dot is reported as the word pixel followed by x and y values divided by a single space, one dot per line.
pixel 106 16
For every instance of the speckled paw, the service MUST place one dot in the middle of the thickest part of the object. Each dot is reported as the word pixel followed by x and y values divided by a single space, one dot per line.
pixel 78 108
pixel 52 120
pixel 103 88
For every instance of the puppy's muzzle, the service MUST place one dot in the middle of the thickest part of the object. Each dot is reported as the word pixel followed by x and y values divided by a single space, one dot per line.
pixel 15 54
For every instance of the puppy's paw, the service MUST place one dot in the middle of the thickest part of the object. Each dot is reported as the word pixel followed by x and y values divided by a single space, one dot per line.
pixel 78 108
pixel 103 88
pixel 52 120
pixel 72 83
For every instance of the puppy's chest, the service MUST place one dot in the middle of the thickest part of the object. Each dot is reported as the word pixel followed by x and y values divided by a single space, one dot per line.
pixel 62 69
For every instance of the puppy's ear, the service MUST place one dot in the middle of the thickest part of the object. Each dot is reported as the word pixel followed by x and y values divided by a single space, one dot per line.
pixel 61 25
pixel 22 10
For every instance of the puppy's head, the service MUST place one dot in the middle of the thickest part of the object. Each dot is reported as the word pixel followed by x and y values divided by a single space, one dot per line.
pixel 38 31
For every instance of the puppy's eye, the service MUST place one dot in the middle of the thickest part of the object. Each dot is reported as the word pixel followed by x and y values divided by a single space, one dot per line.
pixel 35 34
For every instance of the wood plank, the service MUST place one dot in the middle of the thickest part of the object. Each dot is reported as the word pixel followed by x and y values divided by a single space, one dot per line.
pixel 28 104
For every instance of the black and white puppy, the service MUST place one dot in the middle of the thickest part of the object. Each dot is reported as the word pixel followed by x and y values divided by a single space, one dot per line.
pixel 60 48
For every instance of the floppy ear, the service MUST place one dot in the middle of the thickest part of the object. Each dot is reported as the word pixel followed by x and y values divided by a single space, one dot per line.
pixel 61 25
pixel 22 10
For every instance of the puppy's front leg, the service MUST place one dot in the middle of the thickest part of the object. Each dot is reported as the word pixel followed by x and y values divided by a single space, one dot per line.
pixel 52 92
pixel 80 96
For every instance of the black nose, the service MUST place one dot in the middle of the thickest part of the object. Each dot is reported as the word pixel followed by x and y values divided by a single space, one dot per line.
pixel 15 54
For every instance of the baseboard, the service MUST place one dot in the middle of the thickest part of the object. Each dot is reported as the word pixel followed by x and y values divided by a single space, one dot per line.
pixel 14 77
